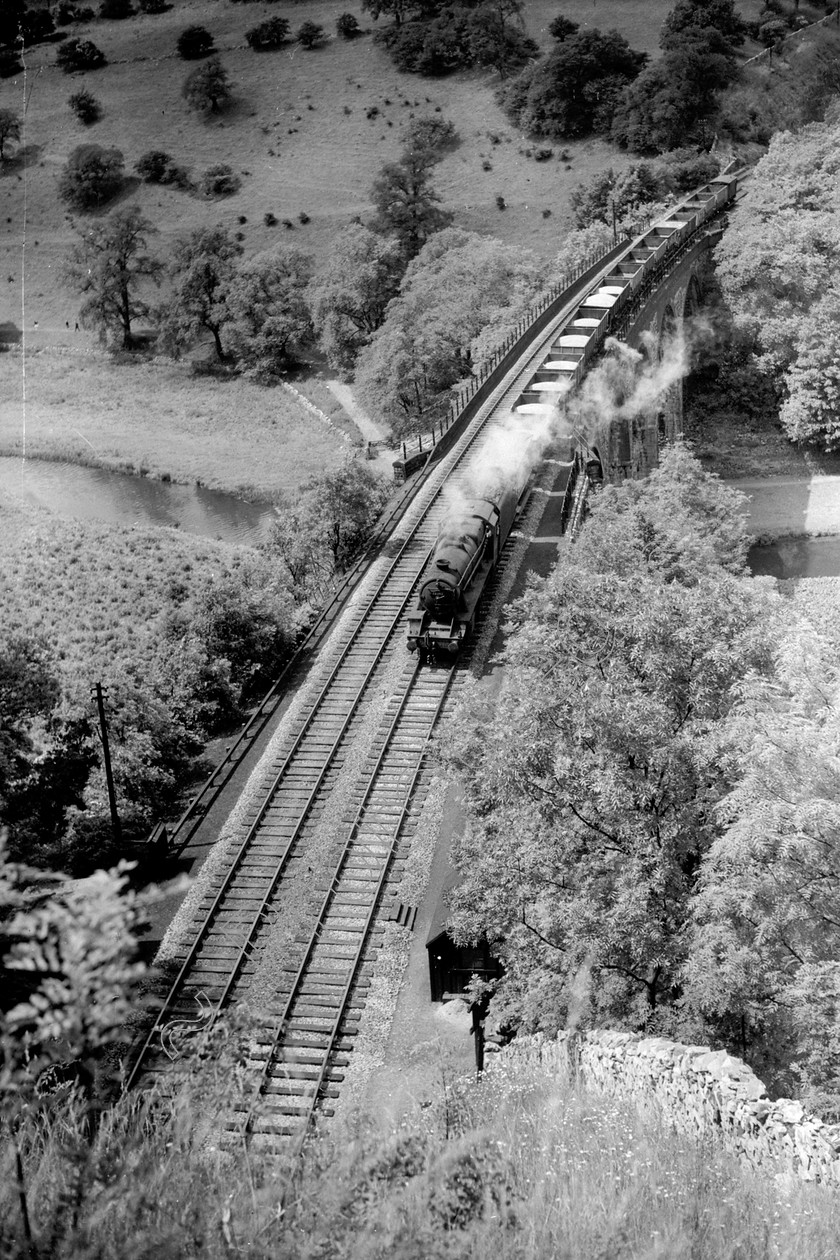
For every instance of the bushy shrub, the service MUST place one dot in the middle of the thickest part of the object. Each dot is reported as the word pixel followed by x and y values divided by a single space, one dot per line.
pixel 311 34
pixel 435 135
pixel 207 88
pixel 771 33
pixel 79 54
pixel 67 13
pixel 157 167
pixel 116 10
pixel 85 106
pixel 220 181
pixel 562 27
pixel 91 176
pixel 270 34
pixel 347 26
pixel 194 42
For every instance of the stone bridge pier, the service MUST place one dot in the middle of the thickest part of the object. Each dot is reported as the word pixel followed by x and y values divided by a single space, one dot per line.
pixel 659 327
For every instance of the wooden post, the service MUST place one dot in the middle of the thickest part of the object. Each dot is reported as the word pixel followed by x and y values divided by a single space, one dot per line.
pixel 106 761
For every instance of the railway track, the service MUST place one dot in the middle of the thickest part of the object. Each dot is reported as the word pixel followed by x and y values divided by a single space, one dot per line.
pixel 360 740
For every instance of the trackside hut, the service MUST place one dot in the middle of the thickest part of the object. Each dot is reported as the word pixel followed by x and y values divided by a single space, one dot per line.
pixel 451 966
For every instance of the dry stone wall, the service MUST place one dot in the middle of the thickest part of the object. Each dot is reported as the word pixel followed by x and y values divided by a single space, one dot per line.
pixel 697 1090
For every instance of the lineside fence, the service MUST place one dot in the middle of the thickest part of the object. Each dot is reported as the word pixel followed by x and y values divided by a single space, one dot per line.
pixel 767 53
pixel 415 451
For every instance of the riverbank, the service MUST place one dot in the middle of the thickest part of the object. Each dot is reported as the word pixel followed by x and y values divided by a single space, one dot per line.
pixel 154 418
pixel 791 507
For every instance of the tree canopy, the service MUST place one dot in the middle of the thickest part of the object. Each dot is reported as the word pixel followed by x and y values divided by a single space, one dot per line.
pixel 457 285
pixel 591 784
pixel 268 315
pixel 201 268
pixel 574 90
pixel 778 266
pixel 351 289
pixel 764 965
pixel 109 265
pixel 92 175
pixel 407 206
pixel 207 88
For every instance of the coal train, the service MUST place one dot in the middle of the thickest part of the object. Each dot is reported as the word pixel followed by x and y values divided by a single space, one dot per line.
pixel 465 554
pixel 471 540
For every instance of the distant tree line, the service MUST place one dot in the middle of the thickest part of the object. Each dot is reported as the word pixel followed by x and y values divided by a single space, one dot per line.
pixel 260 313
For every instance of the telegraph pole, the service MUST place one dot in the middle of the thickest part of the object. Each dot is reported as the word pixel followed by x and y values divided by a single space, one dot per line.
pixel 106 761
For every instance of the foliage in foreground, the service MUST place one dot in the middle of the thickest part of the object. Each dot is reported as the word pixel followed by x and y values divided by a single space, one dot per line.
pixel 516 1165
pixel 664 753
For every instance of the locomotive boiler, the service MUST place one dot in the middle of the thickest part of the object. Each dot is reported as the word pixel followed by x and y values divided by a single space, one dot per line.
pixel 466 552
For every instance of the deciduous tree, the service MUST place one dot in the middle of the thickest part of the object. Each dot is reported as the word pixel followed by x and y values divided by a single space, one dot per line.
pixel 573 90
pixel 591 784
pixel 458 284
pixel 351 289
pixel 208 88
pixel 194 42
pixel 9 130
pixel 79 54
pixel 269 318
pixel 324 531
pixel 811 411
pixel 764 965
pixel 92 175
pixel 110 266
pixel 781 253
pixel 408 208
pixel 201 267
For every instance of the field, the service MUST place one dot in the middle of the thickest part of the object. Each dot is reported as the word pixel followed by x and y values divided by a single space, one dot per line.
pixel 300 136
pixel 155 418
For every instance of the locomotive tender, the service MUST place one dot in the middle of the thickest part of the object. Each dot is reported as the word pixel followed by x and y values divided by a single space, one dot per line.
pixel 466 552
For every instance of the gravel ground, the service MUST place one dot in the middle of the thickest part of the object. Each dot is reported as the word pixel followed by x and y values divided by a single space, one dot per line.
pixel 408 1046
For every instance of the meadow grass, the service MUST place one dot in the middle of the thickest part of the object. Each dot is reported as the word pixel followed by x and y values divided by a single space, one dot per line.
pixel 155 417
pixel 96 591
pixel 518 1167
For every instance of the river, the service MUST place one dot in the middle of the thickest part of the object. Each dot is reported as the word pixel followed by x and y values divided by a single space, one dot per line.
pixel 797 557
pixel 94 494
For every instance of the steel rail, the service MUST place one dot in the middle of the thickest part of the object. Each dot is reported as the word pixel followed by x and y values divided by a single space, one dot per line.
pixel 329 898
pixel 253 829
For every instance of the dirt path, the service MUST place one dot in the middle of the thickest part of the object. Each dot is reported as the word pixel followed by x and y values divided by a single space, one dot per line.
pixel 370 429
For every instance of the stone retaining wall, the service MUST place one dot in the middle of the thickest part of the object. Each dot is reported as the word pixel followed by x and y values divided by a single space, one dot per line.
pixel 698 1091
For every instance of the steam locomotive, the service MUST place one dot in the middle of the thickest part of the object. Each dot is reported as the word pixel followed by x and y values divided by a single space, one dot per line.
pixel 466 552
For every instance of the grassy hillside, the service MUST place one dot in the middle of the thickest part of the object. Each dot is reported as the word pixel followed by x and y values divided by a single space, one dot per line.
pixel 324 168
pixel 97 591
pixel 308 132
pixel 517 1167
